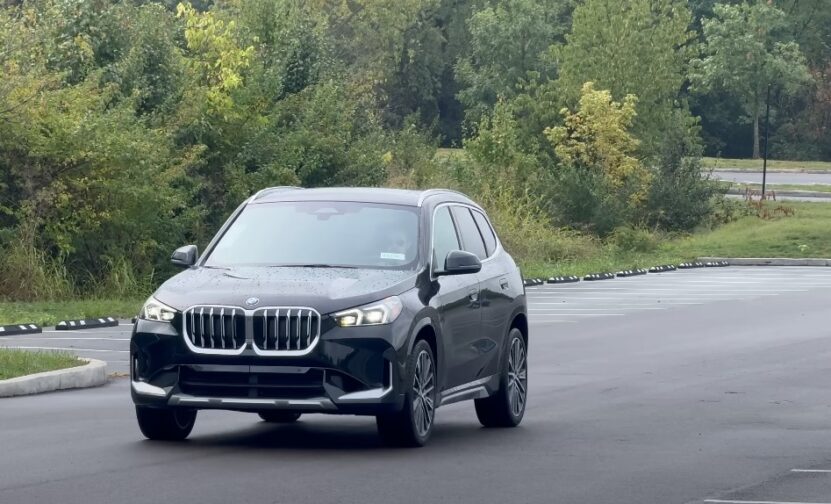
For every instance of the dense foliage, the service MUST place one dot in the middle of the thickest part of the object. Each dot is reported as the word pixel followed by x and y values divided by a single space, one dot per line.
pixel 129 127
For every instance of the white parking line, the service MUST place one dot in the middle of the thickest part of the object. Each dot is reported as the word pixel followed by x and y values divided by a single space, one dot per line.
pixel 720 501
pixel 67 339
pixel 588 309
pixel 68 349
pixel 646 303
pixel 820 471
pixel 97 331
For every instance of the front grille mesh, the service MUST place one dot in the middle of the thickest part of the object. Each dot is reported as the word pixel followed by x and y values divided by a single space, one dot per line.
pixel 218 328
pixel 272 330
pixel 285 329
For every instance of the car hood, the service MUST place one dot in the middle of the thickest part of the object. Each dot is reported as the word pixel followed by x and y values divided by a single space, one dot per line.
pixel 324 289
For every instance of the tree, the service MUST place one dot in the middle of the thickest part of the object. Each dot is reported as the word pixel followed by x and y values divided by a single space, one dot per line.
pixel 639 47
pixel 749 52
pixel 509 46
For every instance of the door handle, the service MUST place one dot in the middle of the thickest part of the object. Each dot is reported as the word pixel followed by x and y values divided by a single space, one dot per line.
pixel 504 284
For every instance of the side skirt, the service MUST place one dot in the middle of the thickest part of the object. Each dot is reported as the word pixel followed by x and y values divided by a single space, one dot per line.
pixel 477 389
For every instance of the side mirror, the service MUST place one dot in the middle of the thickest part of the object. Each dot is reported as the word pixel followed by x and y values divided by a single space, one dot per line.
pixel 459 262
pixel 185 257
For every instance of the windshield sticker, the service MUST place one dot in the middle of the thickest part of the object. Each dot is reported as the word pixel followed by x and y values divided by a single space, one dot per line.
pixel 393 255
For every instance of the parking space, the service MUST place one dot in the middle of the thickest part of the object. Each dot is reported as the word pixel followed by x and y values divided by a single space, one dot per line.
pixel 110 344
pixel 799 486
pixel 571 303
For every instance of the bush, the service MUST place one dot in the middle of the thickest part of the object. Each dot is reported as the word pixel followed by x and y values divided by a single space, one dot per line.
pixel 600 184
pixel 635 239
pixel 681 196
pixel 29 274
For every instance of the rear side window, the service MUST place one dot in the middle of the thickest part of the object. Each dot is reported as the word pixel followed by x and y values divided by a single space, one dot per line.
pixel 471 239
pixel 444 237
pixel 486 230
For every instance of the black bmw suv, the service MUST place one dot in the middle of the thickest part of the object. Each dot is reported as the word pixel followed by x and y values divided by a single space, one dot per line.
pixel 377 302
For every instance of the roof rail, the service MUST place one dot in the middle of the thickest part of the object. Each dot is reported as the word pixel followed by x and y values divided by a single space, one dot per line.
pixel 269 190
pixel 433 192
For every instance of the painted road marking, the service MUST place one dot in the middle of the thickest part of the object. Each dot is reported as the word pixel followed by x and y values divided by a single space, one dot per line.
pixel 720 501
pixel 68 348
pixel 819 471
pixel 52 338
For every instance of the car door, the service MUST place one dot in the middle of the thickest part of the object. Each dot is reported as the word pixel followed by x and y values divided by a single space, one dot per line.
pixel 498 283
pixel 480 349
pixel 457 302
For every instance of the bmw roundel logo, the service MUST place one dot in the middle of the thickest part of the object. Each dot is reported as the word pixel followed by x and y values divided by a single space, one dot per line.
pixel 252 301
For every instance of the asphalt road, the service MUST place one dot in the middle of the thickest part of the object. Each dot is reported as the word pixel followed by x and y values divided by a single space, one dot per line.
pixel 746 177
pixel 685 387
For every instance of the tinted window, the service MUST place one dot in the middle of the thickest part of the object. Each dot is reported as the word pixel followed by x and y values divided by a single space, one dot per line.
pixel 487 232
pixel 320 232
pixel 444 237
pixel 471 239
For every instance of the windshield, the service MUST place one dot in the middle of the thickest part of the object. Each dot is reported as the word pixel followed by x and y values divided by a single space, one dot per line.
pixel 320 234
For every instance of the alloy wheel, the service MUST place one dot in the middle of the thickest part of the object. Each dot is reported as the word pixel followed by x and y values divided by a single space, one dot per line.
pixel 517 376
pixel 423 386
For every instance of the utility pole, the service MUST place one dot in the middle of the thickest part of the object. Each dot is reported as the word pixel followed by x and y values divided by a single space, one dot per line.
pixel 767 136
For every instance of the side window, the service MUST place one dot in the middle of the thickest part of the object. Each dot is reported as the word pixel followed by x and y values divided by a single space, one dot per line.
pixel 444 237
pixel 471 239
pixel 487 232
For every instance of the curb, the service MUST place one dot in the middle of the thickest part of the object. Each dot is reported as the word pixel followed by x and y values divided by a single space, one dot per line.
pixel 696 264
pixel 629 273
pixel 662 268
pixel 563 279
pixel 599 276
pixel 93 374
pixel 12 330
pixel 71 325
pixel 766 261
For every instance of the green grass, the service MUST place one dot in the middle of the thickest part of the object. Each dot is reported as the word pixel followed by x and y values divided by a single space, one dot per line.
pixel 14 363
pixel 807 234
pixel 756 164
pixel 51 312
pixel 824 188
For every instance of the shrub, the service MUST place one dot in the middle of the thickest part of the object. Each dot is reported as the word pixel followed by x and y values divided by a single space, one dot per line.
pixel 635 239
pixel 600 182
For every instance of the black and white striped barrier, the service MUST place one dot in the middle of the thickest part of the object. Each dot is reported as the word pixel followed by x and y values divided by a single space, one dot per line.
pixel 563 279
pixel 531 282
pixel 72 325
pixel 662 268
pixel 11 330
pixel 599 276
pixel 716 264
pixel 690 265
pixel 629 273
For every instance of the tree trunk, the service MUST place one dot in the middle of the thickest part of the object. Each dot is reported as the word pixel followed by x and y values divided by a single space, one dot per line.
pixel 756 133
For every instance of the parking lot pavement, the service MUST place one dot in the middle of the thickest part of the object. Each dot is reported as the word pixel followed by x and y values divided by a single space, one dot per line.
pixel 619 297
pixel 110 344
pixel 706 386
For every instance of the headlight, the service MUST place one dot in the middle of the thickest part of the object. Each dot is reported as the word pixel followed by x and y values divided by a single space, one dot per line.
pixel 155 310
pixel 381 312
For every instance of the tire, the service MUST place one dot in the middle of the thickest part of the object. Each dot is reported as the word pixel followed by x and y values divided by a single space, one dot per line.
pixel 279 416
pixel 413 425
pixel 165 424
pixel 507 406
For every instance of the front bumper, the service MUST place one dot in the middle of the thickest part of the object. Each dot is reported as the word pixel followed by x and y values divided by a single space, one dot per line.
pixel 350 371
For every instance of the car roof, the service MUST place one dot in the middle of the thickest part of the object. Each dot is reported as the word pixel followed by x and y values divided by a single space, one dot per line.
pixel 361 194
